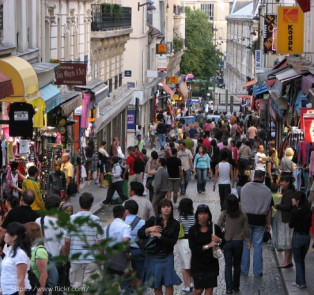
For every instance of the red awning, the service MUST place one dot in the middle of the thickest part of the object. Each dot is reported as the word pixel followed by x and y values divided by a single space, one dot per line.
pixel 6 88
pixel 244 96
pixel 167 88
pixel 249 83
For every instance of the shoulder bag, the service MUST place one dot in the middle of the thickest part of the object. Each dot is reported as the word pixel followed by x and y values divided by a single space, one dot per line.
pixel 148 244
pixel 217 251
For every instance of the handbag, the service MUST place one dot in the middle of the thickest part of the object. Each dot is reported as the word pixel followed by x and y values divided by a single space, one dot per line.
pixel 217 251
pixel 149 183
pixel 148 244
pixel 72 188
pixel 181 231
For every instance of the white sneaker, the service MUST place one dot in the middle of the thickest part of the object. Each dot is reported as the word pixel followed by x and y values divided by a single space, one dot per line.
pixel 145 194
pixel 186 289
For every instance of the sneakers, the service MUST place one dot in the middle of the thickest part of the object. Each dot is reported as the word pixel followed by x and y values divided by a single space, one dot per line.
pixel 186 289
pixel 298 286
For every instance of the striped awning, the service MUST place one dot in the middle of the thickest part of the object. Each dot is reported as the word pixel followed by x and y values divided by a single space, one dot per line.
pixel 167 88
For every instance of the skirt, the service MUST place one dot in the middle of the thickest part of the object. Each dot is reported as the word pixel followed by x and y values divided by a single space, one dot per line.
pixel 159 271
pixel 184 253
pixel 283 232
pixel 205 280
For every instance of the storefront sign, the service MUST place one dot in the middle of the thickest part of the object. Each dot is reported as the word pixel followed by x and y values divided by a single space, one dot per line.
pixel 173 80
pixel 71 74
pixel 308 123
pixel 290 30
pixel 305 111
pixel 161 48
pixel 127 73
pixel 270 22
pixel 161 62
pixel 258 61
pixel 131 119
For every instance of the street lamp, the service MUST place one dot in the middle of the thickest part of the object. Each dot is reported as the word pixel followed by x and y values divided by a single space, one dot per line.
pixel 150 5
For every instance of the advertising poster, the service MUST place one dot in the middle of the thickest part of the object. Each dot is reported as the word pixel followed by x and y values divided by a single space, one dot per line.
pixel 270 22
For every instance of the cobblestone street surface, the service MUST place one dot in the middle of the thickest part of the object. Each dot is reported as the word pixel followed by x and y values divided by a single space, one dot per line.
pixel 269 284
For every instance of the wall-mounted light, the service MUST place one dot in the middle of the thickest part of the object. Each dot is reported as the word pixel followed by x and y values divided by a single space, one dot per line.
pixel 249 47
pixel 150 5
pixel 253 33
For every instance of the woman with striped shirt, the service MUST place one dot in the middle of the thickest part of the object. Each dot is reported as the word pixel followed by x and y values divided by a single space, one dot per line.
pixel 186 217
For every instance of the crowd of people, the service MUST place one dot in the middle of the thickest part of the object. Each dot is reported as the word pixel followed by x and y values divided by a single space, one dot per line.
pixel 256 191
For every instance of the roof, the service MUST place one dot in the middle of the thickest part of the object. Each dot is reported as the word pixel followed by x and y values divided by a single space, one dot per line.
pixel 42 67
pixel 243 10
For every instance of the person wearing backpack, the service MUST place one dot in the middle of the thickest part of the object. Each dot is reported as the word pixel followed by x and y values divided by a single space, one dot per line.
pixel 116 183
pixel 135 166
pixel 41 262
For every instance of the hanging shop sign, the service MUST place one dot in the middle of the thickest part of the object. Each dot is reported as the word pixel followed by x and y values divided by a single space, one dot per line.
pixel 308 124
pixel 71 74
pixel 161 62
pixel 161 48
pixel 258 61
pixel 131 119
pixel 290 30
pixel 305 111
pixel 173 80
pixel 270 22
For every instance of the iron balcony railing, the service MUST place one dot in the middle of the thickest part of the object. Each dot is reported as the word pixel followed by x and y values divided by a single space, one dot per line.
pixel 106 17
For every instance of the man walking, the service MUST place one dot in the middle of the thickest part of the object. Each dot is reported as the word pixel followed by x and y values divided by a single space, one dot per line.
pixel 161 131
pixel 68 170
pixel 256 202
pixel 77 244
pixel 186 158
pixel 160 183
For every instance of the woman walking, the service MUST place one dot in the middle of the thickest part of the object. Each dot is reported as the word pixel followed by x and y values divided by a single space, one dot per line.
pixel 236 226
pixel 159 266
pixel 271 169
pixel 284 209
pixel 204 266
pixel 300 221
pixel 186 217
pixel 202 167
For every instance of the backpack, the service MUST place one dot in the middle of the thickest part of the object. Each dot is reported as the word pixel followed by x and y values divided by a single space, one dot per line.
pixel 139 164
pixel 53 275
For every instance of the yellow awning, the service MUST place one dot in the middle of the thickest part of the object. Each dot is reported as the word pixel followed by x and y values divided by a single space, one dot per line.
pixel 24 79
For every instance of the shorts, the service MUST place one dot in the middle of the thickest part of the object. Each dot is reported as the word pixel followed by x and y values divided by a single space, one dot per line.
pixel 173 185
pixel 184 253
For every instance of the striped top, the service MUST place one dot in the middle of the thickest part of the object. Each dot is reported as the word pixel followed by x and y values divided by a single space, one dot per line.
pixel 84 237
pixel 187 222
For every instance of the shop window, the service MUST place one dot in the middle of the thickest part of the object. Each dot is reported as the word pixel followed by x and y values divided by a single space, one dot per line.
pixel 209 10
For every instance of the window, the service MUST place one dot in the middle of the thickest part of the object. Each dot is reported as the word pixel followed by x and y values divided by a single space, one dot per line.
pixel 116 81
pixel 208 9
pixel 120 80
pixel 110 85
pixel 1 20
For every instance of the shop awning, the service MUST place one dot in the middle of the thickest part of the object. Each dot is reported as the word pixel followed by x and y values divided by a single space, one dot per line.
pixel 260 90
pixel 111 110
pixel 6 87
pixel 70 100
pixel 287 75
pixel 244 96
pixel 263 77
pixel 51 95
pixel 24 79
pixel 307 83
pixel 98 87
pixel 167 88
pixel 249 83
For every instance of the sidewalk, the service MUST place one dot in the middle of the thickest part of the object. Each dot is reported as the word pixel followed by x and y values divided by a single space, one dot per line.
pixel 288 275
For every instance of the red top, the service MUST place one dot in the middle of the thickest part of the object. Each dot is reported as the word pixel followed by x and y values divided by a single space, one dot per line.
pixel 206 144
pixel 130 161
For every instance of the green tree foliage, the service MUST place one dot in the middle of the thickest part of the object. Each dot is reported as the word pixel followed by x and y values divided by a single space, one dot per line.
pixel 201 57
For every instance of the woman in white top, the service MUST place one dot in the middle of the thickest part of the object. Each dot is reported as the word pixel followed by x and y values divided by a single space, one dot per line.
pixel 16 263
pixel 224 176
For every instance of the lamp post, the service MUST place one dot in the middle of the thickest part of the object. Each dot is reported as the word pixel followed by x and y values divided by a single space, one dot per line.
pixel 150 5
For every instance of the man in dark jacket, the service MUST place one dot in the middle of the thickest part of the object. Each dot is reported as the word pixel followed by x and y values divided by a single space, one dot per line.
pixel 161 131
pixel 160 183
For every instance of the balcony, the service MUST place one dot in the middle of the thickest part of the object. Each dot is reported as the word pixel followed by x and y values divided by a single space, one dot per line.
pixel 109 17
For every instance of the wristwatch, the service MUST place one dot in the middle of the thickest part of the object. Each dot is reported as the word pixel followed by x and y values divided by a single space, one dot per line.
pixel 206 247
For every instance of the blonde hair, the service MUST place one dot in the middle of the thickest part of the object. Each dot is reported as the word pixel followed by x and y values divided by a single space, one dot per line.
pixel 289 152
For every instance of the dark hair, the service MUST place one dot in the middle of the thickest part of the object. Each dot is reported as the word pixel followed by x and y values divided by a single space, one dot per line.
pixel 259 174
pixel 213 142
pixel 154 155
pixel 232 206
pixel 144 151
pixel 289 179
pixel 225 142
pixel 183 143
pixel 165 203
pixel 174 151
pixel 303 204
pixel 202 209
pixel 22 241
pixel 13 201
pixel 132 206
pixel 204 150
pixel 115 159
pixel 118 211
pixel 131 148
pixel 185 207
pixel 274 187
pixel 137 188
pixel 86 200
pixel 223 155
pixel 52 201
pixel 32 171
pixel 28 197
pixel 103 142
pixel 162 161
pixel 271 152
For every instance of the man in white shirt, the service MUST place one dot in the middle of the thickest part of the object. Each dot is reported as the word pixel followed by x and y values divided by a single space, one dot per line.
pixel 186 158
pixel 260 159
pixel 119 231
pixel 78 242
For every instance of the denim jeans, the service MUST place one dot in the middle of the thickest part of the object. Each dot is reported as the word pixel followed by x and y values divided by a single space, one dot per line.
pixel 187 176
pixel 256 234
pixel 201 174
pixel 233 254
pixel 300 246
pixel 224 191
pixel 162 140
